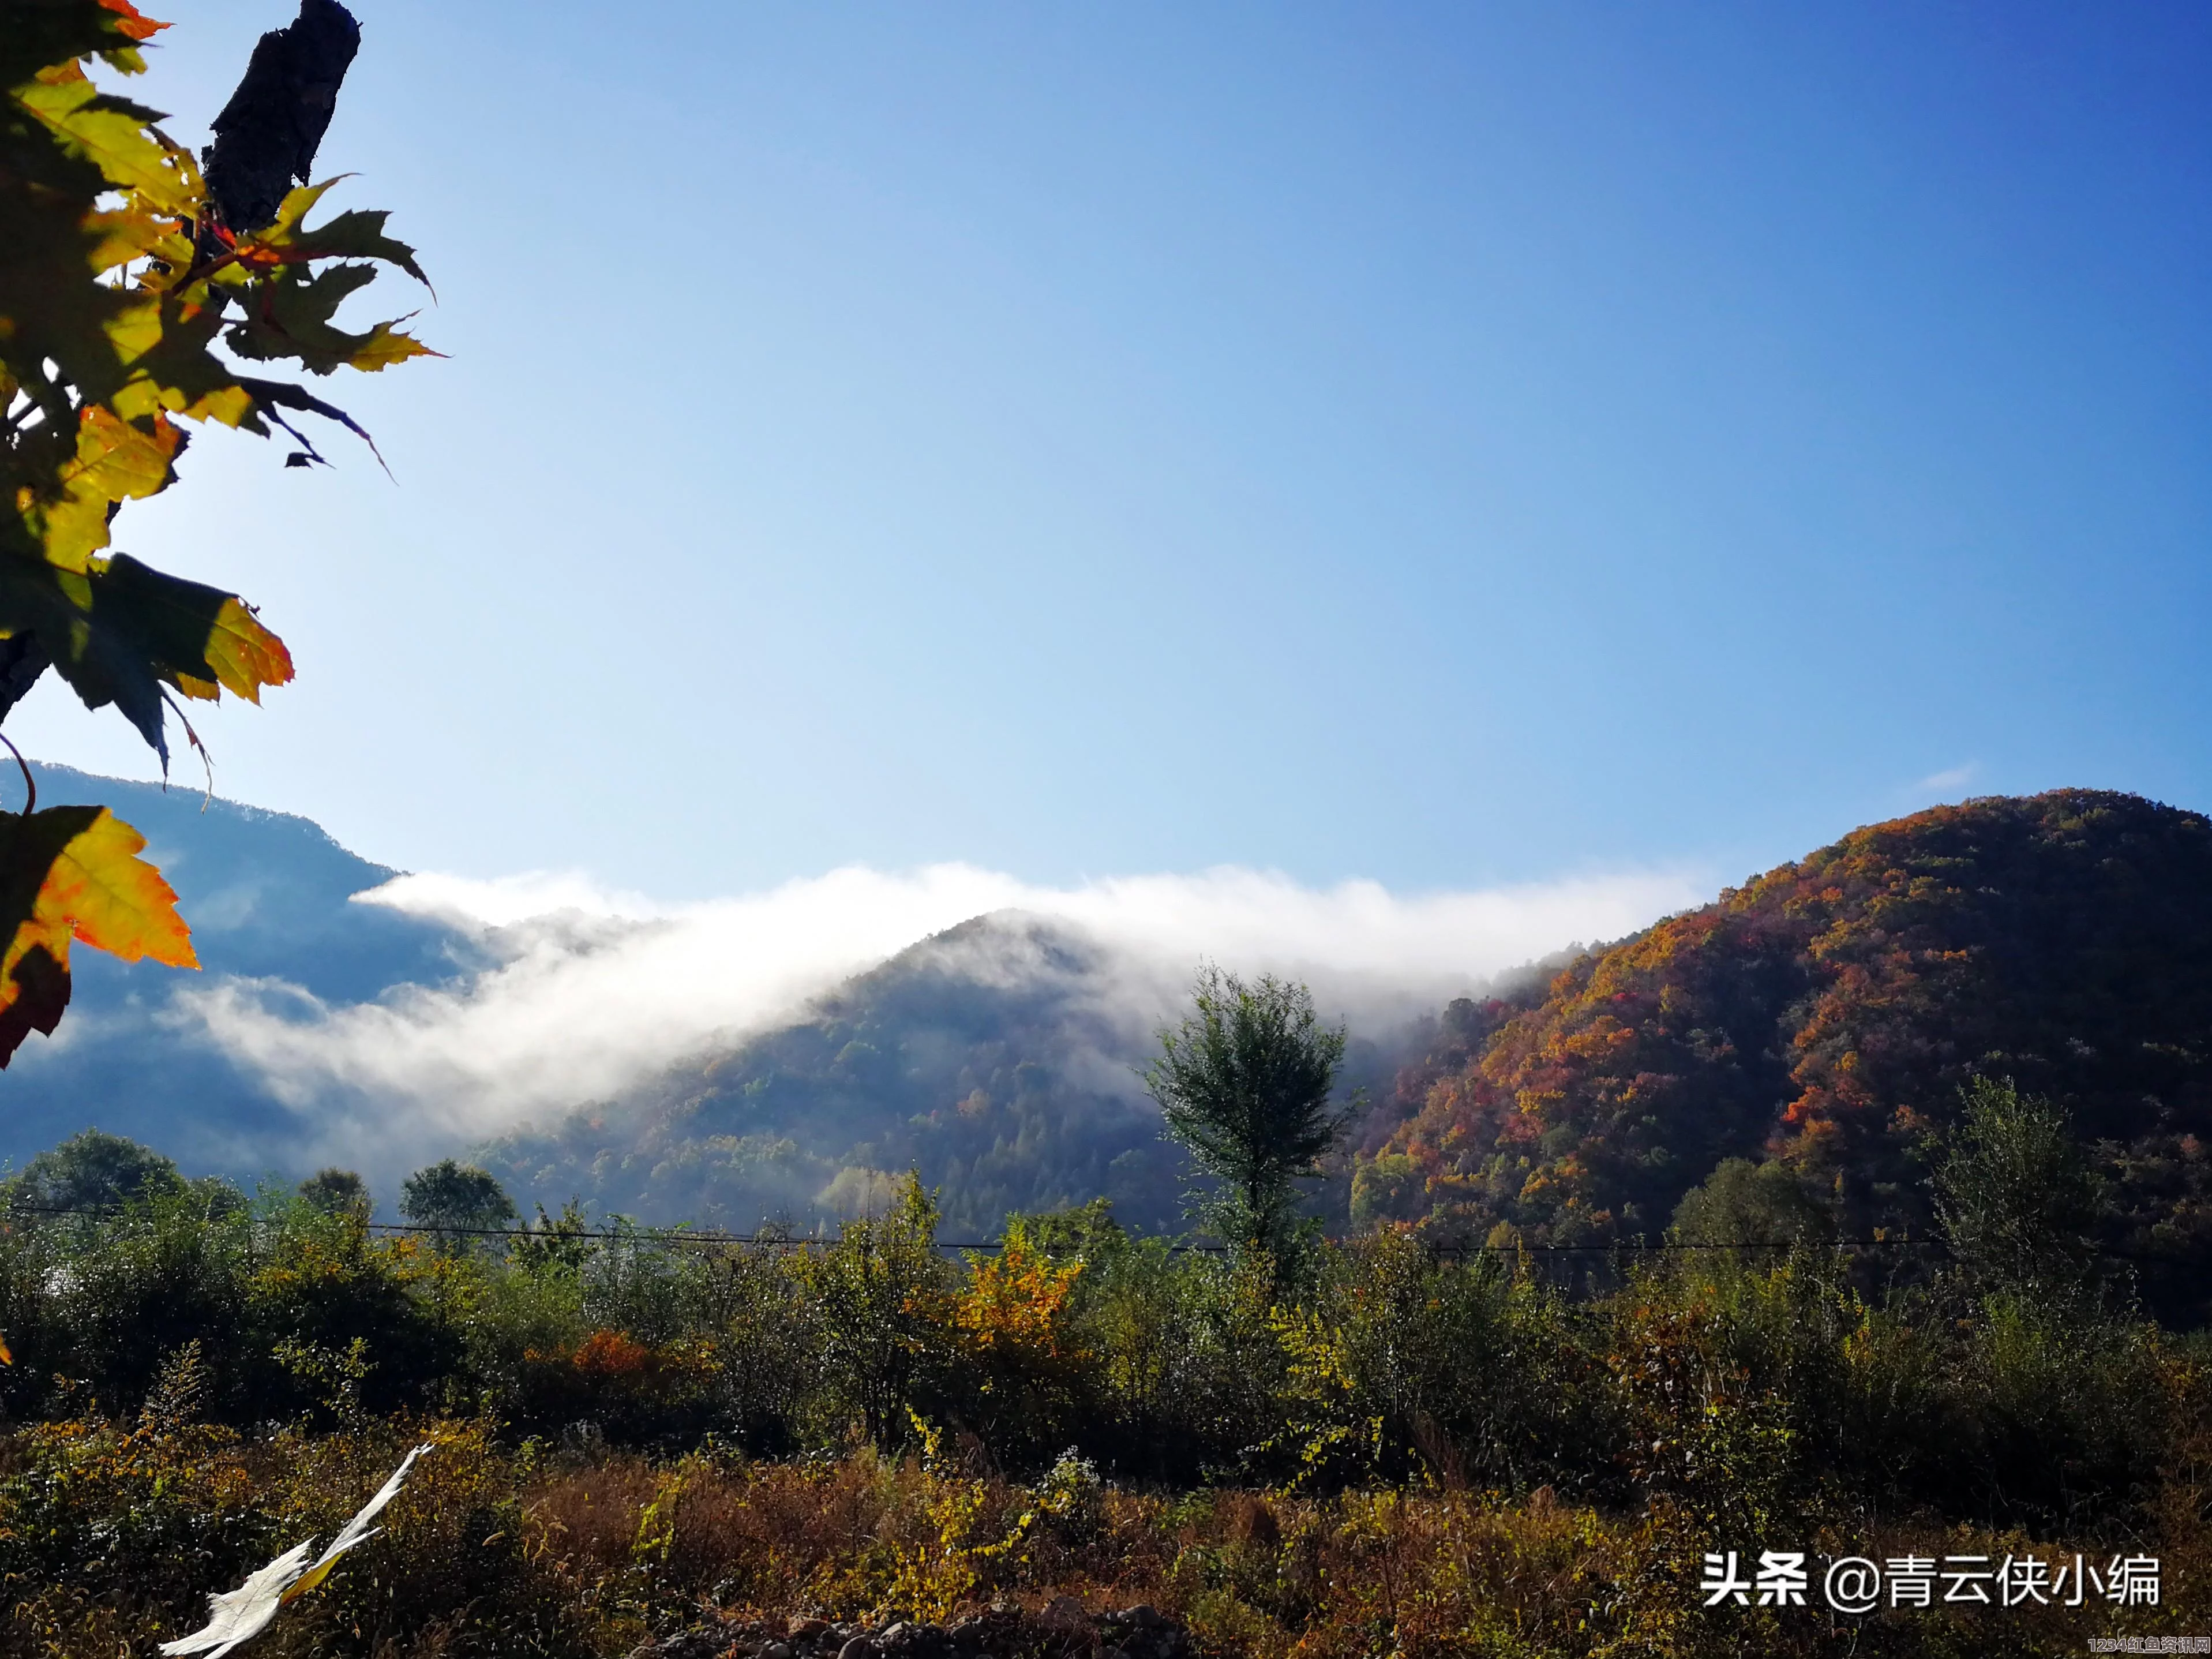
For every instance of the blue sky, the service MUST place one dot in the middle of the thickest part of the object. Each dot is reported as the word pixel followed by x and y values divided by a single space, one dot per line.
pixel 1445 445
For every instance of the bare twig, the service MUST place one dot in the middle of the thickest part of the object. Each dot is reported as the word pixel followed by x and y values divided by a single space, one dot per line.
pixel 30 789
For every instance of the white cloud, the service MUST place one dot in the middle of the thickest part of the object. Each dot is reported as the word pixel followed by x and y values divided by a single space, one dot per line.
pixel 507 900
pixel 593 991
pixel 1951 778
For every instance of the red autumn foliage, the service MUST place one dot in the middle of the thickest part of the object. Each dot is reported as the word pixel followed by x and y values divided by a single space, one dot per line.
pixel 1828 1012
pixel 613 1354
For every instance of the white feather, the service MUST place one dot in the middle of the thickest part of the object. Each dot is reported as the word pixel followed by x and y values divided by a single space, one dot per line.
pixel 233 1616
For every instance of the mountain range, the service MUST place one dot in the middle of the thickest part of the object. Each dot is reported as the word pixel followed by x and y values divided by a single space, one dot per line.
pixel 269 900
pixel 1823 1016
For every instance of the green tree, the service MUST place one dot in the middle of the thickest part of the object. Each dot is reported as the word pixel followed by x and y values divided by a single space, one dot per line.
pixel 1082 1232
pixel 880 1293
pixel 339 1191
pixel 557 1243
pixel 1743 1207
pixel 454 1200
pixel 1244 1083
pixel 93 1171
pixel 2014 1196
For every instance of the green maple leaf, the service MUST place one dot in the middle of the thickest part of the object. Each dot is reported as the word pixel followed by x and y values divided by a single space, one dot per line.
pixel 357 233
pixel 119 631
pixel 116 135
pixel 288 315
pixel 117 460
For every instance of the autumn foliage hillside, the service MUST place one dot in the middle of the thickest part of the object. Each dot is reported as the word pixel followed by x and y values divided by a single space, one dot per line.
pixel 1826 1013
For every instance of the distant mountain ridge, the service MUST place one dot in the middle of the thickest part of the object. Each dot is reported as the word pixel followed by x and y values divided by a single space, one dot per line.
pixel 268 897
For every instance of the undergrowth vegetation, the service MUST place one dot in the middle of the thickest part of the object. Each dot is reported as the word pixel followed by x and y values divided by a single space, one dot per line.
pixel 1379 1450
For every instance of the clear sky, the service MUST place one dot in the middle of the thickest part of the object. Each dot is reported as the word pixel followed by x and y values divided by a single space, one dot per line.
pixel 1442 444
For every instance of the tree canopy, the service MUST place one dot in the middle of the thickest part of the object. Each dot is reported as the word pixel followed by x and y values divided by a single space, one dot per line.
pixel 93 1170
pixel 341 1192
pixel 2014 1196
pixel 1244 1083
pixel 455 1197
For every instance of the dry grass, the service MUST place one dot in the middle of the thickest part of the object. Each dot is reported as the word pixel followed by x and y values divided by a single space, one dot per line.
pixel 110 1536
pixel 1774 1411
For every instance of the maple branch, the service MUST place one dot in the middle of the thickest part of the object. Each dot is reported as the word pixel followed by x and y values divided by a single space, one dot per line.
pixel 74 448
pixel 267 133
pixel 202 268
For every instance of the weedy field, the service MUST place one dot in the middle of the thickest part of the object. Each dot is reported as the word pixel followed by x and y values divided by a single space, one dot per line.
pixel 1362 1448
pixel 114 1530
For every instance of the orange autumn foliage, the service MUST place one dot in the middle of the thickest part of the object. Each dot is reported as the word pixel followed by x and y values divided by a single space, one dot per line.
pixel 1828 1012
pixel 611 1354
pixel 1016 1303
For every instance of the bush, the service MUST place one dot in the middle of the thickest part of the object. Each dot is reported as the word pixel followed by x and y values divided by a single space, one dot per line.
pixel 1777 1392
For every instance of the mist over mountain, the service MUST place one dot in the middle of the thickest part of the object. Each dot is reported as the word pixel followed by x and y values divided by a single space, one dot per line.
pixel 993 1057
pixel 786 1054
pixel 348 1013
pixel 269 899
pixel 998 1058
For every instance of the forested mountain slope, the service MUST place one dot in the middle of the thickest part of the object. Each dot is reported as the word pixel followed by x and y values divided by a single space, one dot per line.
pixel 1826 1013
pixel 994 1057
pixel 999 1059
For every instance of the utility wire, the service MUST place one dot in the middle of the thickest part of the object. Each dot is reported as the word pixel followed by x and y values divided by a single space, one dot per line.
pixel 681 1234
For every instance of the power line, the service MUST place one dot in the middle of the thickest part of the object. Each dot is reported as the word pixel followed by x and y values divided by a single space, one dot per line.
pixel 681 1234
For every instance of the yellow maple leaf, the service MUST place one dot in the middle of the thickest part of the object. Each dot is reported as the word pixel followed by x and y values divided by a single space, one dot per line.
pixel 116 461
pixel 245 655
pixel 114 137
pixel 74 872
